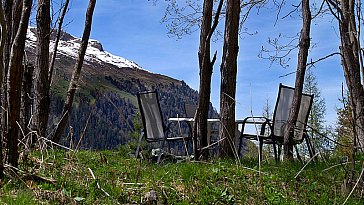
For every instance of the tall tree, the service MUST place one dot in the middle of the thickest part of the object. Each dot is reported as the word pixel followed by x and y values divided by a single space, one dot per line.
pixel 351 58
pixel 67 108
pixel 351 55
pixel 228 79
pixel 304 45
pixel 206 67
pixel 12 14
pixel 2 46
pixel 41 84
pixel 14 83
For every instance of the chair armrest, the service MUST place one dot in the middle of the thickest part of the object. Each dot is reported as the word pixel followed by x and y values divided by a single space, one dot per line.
pixel 170 123
pixel 259 120
pixel 253 120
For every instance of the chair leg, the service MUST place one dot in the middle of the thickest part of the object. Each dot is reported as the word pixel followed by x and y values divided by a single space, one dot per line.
pixel 161 151
pixel 260 150
pixel 279 151
pixel 311 150
pixel 298 154
pixel 139 142
pixel 275 152
pixel 240 142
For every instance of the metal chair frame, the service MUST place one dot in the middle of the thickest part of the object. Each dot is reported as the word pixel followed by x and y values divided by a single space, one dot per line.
pixel 154 128
pixel 276 126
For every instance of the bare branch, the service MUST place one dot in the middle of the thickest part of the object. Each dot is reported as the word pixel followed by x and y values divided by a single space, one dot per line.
pixel 58 36
pixel 216 20
pixel 294 10
pixel 279 11
pixel 330 3
pixel 323 58
pixel 320 10
pixel 312 63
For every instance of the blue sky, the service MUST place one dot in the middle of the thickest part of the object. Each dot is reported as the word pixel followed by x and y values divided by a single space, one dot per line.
pixel 132 29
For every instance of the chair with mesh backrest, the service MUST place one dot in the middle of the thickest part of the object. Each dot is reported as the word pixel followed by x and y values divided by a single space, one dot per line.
pixel 154 129
pixel 277 125
pixel 190 110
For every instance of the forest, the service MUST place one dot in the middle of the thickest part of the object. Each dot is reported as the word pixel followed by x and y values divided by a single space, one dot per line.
pixel 71 122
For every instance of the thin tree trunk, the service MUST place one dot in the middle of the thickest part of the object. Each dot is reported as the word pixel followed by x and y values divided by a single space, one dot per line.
pixel 2 47
pixel 14 83
pixel 304 45
pixel 41 86
pixel 12 14
pixel 8 8
pixel 228 79
pixel 8 12
pixel 26 101
pixel 76 74
pixel 206 67
pixel 351 66
pixel 58 36
pixel 200 123
pixel 16 16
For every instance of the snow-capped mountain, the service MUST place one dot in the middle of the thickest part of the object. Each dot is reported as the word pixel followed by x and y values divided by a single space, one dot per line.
pixel 106 95
pixel 69 46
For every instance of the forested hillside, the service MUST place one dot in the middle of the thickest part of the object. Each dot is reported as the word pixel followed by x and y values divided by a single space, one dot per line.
pixel 106 103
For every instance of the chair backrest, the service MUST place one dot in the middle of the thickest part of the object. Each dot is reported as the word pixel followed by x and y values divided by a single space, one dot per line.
pixel 151 114
pixel 281 112
pixel 190 110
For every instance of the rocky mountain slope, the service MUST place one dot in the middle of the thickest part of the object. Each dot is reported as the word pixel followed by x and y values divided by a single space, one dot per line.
pixel 106 105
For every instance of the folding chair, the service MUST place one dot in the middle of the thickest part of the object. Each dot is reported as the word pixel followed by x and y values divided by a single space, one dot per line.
pixel 154 130
pixel 280 117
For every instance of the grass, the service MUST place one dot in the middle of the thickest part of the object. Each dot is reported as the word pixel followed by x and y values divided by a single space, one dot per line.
pixel 120 179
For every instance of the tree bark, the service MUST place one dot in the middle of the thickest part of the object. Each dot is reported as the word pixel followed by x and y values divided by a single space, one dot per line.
pixel 8 11
pixel 41 84
pixel 199 133
pixel 304 45
pixel 200 123
pixel 14 83
pixel 26 101
pixel 351 66
pixel 228 80
pixel 2 50
pixel 67 108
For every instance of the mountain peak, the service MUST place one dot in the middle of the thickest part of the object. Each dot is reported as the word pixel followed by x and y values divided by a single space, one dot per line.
pixel 96 44
pixel 69 46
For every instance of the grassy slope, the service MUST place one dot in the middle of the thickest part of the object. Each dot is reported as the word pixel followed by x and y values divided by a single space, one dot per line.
pixel 127 180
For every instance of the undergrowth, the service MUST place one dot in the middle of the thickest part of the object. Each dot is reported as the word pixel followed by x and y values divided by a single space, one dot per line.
pixel 112 177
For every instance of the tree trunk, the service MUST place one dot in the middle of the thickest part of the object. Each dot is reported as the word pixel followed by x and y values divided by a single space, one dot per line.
pixel 26 101
pixel 3 88
pixel 206 66
pixel 228 79
pixel 14 83
pixel 67 108
pixel 41 84
pixel 200 123
pixel 351 66
pixel 58 36
pixel 304 45
pixel 2 46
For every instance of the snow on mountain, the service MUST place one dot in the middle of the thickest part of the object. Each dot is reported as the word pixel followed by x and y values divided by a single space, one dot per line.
pixel 69 46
